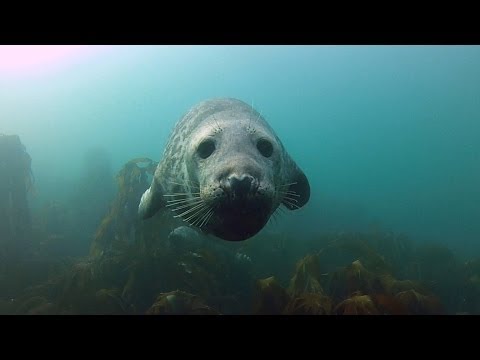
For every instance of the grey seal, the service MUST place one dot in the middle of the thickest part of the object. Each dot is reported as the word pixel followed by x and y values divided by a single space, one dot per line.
pixel 225 171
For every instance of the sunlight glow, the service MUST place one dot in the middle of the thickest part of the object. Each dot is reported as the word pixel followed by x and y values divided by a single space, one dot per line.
pixel 38 58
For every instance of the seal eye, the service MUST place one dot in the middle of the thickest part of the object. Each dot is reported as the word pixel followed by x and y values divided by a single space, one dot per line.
pixel 206 148
pixel 265 147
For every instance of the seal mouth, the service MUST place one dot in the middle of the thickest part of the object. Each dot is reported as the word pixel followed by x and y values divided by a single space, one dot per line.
pixel 240 219
pixel 241 207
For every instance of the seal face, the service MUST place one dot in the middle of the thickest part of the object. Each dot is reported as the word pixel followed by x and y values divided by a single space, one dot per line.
pixel 225 172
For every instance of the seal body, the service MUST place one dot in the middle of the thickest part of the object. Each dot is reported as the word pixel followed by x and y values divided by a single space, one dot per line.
pixel 224 171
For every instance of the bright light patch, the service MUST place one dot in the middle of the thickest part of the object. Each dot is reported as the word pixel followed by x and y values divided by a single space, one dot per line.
pixel 35 58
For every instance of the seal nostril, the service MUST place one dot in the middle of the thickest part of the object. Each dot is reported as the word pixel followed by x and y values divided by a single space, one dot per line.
pixel 240 185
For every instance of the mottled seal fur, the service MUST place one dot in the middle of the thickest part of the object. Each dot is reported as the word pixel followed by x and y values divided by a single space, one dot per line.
pixel 225 172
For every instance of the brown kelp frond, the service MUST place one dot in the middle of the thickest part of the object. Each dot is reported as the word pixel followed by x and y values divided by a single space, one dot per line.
pixel 180 303
pixel 309 304
pixel 392 286
pixel 418 304
pixel 368 256
pixel 343 248
pixel 307 276
pixel 357 305
pixel 351 279
pixel 270 297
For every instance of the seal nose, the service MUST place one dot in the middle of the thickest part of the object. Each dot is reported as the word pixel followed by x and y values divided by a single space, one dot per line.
pixel 239 185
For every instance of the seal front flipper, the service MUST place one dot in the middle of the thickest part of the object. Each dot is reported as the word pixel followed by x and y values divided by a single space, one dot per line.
pixel 151 201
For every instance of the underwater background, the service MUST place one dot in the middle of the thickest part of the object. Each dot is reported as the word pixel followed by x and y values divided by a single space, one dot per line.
pixel 387 136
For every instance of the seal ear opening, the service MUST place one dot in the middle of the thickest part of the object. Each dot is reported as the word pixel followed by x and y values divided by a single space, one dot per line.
pixel 298 192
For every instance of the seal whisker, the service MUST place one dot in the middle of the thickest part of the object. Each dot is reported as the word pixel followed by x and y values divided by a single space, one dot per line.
pixel 208 218
pixel 215 128
pixel 180 194
pixel 204 217
pixel 191 182
pixel 291 204
pixel 199 215
pixel 289 196
pixel 218 127
pixel 259 116
pixel 184 206
pixel 188 193
pixel 194 215
pixel 190 210
pixel 184 198
pixel 205 222
pixel 287 193
pixel 184 185
pixel 290 199
pixel 284 185
pixel 191 223
pixel 212 212
pixel 183 201
pixel 250 118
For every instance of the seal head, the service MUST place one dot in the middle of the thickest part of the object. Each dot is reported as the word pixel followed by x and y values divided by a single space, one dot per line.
pixel 225 171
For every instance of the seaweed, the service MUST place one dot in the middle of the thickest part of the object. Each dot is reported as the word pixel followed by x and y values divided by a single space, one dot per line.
pixel 307 277
pixel 358 304
pixel 180 303
pixel 121 223
pixel 143 267
pixel 270 297
pixel 418 304
pixel 351 279
pixel 16 179
pixel 389 305
pixel 309 304
pixel 392 286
